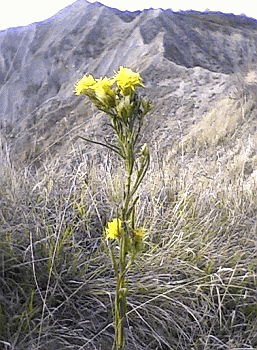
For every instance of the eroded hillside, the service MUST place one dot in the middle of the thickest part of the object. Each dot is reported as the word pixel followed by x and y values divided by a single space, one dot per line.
pixel 185 58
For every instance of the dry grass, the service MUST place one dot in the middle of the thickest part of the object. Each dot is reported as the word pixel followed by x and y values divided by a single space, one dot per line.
pixel 194 286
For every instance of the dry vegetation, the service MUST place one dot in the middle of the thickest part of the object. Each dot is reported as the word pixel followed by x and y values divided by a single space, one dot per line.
pixel 193 287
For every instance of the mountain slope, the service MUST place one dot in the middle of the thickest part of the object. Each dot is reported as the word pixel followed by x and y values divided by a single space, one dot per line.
pixel 185 58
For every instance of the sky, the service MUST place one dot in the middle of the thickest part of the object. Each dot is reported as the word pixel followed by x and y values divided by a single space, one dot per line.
pixel 14 13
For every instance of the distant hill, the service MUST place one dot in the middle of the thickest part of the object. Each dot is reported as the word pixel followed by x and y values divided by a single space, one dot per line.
pixel 186 59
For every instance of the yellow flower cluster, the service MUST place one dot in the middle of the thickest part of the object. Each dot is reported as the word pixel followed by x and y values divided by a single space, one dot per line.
pixel 114 229
pixel 84 85
pixel 127 80
pixel 103 89
pixel 139 233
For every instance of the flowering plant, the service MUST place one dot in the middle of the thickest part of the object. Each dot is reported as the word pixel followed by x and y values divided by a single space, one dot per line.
pixel 117 97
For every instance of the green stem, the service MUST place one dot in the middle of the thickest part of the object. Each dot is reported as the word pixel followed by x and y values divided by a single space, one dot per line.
pixel 120 307
pixel 141 175
pixel 119 331
pixel 127 132
pixel 120 295
pixel 129 166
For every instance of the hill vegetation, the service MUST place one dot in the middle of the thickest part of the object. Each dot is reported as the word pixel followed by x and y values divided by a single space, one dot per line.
pixel 195 283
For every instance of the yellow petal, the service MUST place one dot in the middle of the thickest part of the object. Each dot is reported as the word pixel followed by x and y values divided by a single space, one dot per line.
pixel 127 80
pixel 87 82
pixel 113 231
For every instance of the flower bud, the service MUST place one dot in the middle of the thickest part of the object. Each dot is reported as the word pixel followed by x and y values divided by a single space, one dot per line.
pixel 144 150
pixel 123 107
pixel 146 105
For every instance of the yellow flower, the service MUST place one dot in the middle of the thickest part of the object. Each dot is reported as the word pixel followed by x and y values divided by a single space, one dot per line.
pixel 103 91
pixel 139 233
pixel 114 229
pixel 84 84
pixel 127 80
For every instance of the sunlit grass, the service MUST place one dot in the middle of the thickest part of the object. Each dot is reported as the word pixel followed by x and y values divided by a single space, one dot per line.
pixel 194 286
